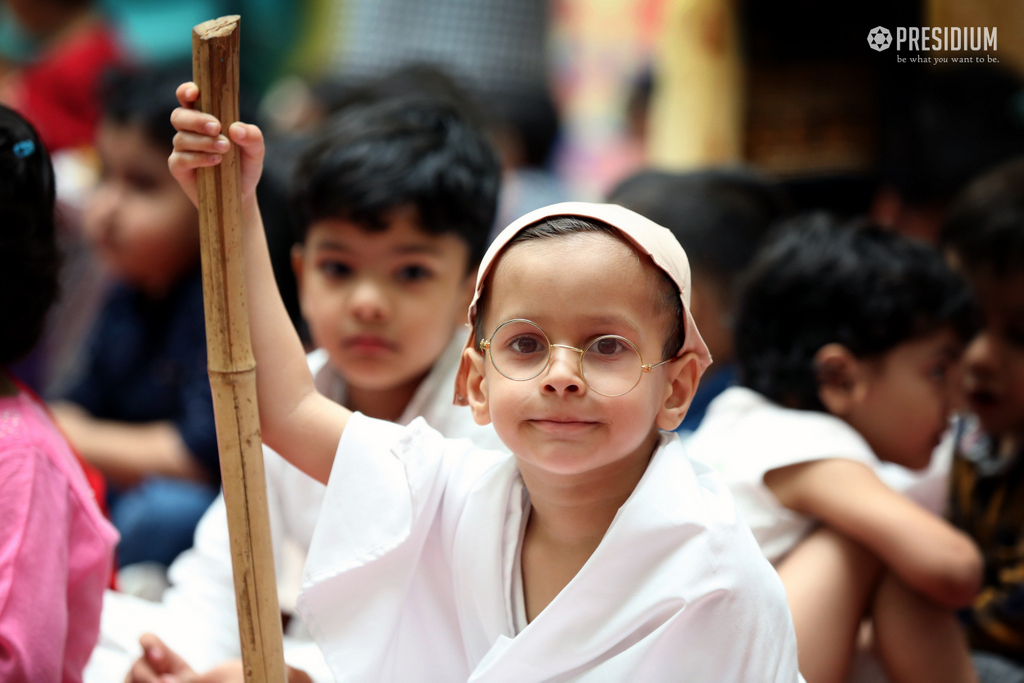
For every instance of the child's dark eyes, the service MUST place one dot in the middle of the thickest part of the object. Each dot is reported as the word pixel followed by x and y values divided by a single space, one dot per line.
pixel 939 372
pixel 334 269
pixel 413 273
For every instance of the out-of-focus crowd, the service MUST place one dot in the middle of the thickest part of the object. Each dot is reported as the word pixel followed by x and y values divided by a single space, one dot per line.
pixel 857 275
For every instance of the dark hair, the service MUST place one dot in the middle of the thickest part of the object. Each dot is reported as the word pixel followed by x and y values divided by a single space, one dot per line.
pixel 560 226
pixel 719 216
pixel 985 226
pixel 419 151
pixel 529 116
pixel 145 96
pixel 818 282
pixel 29 258
pixel 942 127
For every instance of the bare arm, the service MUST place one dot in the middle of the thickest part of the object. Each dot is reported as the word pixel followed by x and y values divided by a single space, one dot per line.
pixel 925 551
pixel 295 419
pixel 126 453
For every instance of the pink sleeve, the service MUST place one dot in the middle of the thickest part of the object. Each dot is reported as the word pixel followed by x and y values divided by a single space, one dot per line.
pixel 33 567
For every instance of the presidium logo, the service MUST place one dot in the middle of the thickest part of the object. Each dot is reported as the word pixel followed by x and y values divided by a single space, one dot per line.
pixel 879 38
pixel 949 40
pixel 938 38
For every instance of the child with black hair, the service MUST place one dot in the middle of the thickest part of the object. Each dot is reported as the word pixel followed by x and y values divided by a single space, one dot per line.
pixel 396 198
pixel 719 216
pixel 141 411
pixel 56 548
pixel 847 341
pixel 984 236
pixel 597 552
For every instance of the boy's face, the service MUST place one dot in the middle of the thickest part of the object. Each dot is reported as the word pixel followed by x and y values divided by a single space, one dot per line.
pixel 994 360
pixel 138 218
pixel 577 288
pixel 383 304
pixel 908 395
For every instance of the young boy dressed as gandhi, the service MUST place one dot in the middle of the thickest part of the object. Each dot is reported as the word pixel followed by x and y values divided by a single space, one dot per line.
pixel 597 552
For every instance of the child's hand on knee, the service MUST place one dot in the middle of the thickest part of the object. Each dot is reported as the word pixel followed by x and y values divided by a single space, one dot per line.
pixel 199 143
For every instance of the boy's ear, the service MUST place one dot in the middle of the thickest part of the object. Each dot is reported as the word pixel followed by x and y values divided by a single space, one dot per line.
pixel 475 385
pixel 682 385
pixel 842 379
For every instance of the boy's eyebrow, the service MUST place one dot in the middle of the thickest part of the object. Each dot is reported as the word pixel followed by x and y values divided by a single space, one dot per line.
pixel 589 321
pixel 613 320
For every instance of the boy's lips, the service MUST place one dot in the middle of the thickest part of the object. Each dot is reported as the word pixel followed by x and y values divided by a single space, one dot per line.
pixel 563 425
pixel 367 343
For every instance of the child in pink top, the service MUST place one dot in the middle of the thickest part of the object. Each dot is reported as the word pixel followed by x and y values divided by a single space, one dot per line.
pixel 56 548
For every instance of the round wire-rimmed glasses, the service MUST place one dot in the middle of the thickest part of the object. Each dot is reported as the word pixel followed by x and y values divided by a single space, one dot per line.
pixel 610 365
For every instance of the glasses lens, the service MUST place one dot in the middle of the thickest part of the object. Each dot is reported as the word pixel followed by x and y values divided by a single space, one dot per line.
pixel 519 350
pixel 611 365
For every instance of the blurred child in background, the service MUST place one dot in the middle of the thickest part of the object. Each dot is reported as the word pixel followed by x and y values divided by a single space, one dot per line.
pixel 847 340
pixel 56 548
pixel 719 216
pixel 396 198
pixel 57 90
pixel 141 412
pixel 984 236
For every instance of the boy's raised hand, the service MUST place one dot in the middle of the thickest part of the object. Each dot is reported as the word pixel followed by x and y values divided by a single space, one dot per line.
pixel 199 143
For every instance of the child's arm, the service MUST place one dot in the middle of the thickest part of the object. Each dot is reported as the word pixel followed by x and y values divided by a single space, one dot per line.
pixel 295 419
pixel 926 552
pixel 126 453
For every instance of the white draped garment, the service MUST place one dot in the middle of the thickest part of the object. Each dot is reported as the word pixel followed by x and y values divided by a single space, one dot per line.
pixel 411 572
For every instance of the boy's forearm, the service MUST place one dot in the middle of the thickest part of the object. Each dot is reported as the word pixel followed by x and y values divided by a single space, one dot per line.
pixel 927 553
pixel 296 421
pixel 126 453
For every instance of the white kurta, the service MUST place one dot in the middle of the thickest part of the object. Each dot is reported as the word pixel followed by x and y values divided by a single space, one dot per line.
pixel 198 617
pixel 410 575
pixel 744 436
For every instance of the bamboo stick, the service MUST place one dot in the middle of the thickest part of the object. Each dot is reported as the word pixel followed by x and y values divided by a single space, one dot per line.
pixel 232 367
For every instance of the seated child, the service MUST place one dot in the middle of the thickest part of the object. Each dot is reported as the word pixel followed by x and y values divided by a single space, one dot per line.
pixel 142 412
pixel 56 548
pixel 386 270
pixel 847 341
pixel 719 216
pixel 984 236
pixel 437 560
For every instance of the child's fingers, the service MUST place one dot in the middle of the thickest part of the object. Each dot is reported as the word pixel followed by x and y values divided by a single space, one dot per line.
pixel 187 94
pixel 183 163
pixel 191 142
pixel 245 134
pixel 162 659
pixel 192 121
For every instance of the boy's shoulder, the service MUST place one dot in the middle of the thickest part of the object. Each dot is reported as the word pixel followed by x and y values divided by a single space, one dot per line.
pixel 744 432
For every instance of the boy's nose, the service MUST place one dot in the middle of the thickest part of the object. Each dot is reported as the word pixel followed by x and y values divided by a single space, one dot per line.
pixel 368 302
pixel 562 376
pixel 982 354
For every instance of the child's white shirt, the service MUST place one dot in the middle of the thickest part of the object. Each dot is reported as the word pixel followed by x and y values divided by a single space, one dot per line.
pixel 197 617
pixel 412 574
pixel 744 436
